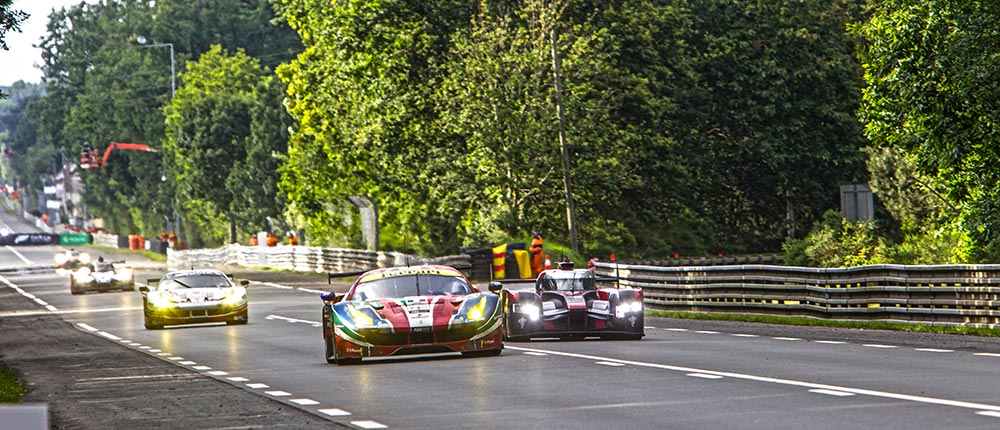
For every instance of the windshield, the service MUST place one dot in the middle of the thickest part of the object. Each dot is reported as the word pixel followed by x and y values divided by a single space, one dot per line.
pixel 412 285
pixel 195 281
pixel 103 267
pixel 568 281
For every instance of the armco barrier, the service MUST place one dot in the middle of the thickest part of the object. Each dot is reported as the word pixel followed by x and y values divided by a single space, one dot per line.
pixel 954 295
pixel 304 258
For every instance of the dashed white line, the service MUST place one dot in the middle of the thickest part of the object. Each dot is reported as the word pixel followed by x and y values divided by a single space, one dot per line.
pixel 934 350
pixel 831 342
pixel 107 335
pixel 175 358
pixel 993 414
pixel 876 345
pixel 238 379
pixel 86 327
pixel 312 291
pixel 786 338
pixel 258 386
pixel 789 382
pixel 677 329
pixel 369 424
pixel 707 332
pixel 987 354
pixel 832 392
pixel 188 362
pixel 304 402
pixel 218 373
pixel 334 412
pixel 745 335
pixel 163 354
pixel 278 393
pixel 201 368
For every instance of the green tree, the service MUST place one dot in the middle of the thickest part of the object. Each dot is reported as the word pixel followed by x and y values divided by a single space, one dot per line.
pixel 931 69
pixel 222 133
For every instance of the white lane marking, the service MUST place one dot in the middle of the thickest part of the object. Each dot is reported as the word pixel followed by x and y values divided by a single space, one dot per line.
pixel 609 363
pixel 238 379
pixel 134 344
pixel 786 338
pixel 335 412
pixel 934 350
pixel 107 335
pixel 164 354
pixel 649 326
pixel 87 327
pixel 369 424
pixel 273 285
pixel 278 393
pixel 312 291
pixel 831 342
pixel 789 382
pixel 125 341
pixel 258 386
pixel 537 354
pixel 293 320
pixel 218 373
pixel 29 295
pixel 188 362
pixel 304 402
pixel 51 308
pixel 986 354
pixel 201 368
pixel 989 414
pixel 876 345
pixel 704 376
pixel 707 332
pixel 745 335
pixel 155 350
pixel 18 254
pixel 677 329
pixel 175 358
pixel 832 393
pixel 145 347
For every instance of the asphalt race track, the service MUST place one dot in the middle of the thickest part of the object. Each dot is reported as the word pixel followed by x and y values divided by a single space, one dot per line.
pixel 271 373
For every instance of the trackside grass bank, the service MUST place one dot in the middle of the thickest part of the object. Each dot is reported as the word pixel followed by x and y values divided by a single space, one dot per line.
pixel 11 389
pixel 864 325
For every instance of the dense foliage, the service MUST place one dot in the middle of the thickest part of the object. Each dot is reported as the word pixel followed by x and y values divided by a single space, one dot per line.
pixel 692 126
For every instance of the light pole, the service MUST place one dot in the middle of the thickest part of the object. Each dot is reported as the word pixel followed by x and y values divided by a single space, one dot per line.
pixel 141 40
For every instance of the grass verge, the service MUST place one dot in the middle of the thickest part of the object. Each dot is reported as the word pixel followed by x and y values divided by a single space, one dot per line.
pixel 813 322
pixel 11 390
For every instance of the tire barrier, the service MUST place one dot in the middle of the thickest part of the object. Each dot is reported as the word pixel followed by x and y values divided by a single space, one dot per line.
pixel 952 295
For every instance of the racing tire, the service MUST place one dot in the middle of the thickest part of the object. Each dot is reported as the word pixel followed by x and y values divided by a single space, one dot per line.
pixel 73 290
pixel 483 353
pixel 151 323
pixel 240 319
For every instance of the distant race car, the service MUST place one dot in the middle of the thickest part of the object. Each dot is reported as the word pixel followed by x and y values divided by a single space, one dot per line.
pixel 193 296
pixel 566 303
pixel 411 310
pixel 71 259
pixel 101 276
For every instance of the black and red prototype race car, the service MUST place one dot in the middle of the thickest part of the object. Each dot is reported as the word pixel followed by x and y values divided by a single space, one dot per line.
pixel 567 303
pixel 411 310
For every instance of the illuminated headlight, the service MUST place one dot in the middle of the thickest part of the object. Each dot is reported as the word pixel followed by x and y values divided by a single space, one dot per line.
pixel 84 258
pixel 531 311
pixel 478 312
pixel 60 259
pixel 160 300
pixel 83 272
pixel 627 307
pixel 124 274
pixel 234 296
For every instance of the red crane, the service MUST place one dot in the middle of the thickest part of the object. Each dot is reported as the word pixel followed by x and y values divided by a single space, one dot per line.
pixel 88 157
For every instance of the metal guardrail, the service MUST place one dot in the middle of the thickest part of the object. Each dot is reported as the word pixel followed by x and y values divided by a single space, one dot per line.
pixel 953 295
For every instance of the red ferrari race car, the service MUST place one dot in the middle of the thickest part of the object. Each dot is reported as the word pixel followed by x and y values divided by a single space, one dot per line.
pixel 568 304
pixel 411 310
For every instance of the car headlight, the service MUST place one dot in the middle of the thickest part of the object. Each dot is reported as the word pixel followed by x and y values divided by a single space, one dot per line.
pixel 124 273
pixel 82 272
pixel 84 258
pixel 531 311
pixel 477 312
pixel 627 307
pixel 60 259
pixel 361 319
pixel 234 296
pixel 160 300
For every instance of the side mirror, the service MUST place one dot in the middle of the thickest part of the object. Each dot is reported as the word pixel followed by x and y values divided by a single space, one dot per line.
pixel 244 282
pixel 144 289
pixel 331 298
pixel 495 287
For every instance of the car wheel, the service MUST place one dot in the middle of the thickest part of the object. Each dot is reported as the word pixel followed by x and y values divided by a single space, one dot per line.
pixel 240 319
pixel 483 353
pixel 330 351
pixel 152 324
